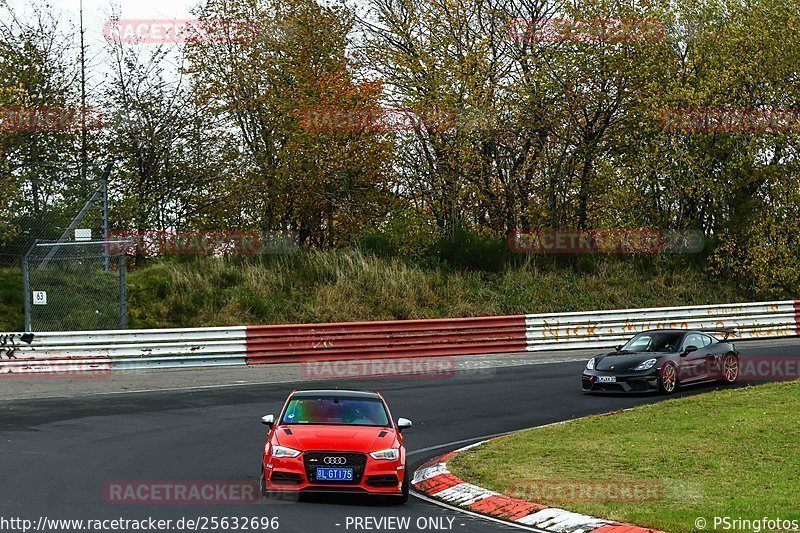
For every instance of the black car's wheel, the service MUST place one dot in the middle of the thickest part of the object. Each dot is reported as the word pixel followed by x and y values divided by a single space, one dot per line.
pixel 668 378
pixel 730 368
pixel 403 497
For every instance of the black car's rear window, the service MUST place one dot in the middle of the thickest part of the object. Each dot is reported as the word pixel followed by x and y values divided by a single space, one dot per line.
pixel 336 410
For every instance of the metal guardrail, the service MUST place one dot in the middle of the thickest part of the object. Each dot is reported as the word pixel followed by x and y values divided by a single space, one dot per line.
pixel 605 329
pixel 122 349
pixel 388 339
pixel 22 353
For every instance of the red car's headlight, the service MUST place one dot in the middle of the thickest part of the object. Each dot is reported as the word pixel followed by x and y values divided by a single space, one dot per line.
pixel 391 454
pixel 283 451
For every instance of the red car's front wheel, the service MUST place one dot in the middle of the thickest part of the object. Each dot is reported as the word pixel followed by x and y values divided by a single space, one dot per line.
pixel 262 483
pixel 403 497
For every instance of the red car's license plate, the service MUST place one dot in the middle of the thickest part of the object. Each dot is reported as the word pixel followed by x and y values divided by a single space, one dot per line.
pixel 334 474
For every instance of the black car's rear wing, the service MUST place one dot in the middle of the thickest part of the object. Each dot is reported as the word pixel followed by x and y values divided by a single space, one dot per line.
pixel 725 331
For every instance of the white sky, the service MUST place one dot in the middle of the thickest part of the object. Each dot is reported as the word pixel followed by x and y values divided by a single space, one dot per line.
pixel 96 12
pixel 95 15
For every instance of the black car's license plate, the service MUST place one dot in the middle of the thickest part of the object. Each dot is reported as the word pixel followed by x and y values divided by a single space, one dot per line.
pixel 606 379
pixel 334 474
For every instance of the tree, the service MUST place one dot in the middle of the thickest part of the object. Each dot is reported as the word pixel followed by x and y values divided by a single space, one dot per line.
pixel 171 156
pixel 39 137
pixel 322 185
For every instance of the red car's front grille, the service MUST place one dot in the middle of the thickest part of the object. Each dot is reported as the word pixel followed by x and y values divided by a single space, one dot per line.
pixel 356 461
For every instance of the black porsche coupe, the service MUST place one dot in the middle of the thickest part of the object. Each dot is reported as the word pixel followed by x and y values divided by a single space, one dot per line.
pixel 662 360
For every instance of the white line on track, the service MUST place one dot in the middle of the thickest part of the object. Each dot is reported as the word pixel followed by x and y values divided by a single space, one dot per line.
pixel 487 437
pixel 457 442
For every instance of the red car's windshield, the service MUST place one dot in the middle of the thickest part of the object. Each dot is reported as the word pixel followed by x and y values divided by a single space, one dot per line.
pixel 339 411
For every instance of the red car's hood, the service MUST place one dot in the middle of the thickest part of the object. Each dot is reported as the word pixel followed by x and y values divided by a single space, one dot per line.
pixel 335 438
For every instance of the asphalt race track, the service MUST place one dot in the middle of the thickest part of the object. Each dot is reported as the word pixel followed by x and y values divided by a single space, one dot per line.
pixel 56 455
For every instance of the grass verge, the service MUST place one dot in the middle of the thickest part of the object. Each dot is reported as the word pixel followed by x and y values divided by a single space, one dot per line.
pixel 727 453
pixel 11 304
pixel 349 285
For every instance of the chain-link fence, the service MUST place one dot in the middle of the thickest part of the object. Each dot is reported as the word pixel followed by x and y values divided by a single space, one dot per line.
pixel 55 207
pixel 48 222
pixel 75 285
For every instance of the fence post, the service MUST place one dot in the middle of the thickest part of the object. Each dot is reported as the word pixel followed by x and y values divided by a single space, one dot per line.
pixel 26 289
pixel 123 275
pixel 104 214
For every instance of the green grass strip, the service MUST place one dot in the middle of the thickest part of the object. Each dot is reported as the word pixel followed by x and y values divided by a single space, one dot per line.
pixel 733 453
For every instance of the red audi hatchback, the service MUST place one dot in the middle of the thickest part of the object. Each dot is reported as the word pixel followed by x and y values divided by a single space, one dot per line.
pixel 335 441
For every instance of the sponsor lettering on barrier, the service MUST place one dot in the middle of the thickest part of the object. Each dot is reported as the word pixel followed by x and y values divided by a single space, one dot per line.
pixel 590 331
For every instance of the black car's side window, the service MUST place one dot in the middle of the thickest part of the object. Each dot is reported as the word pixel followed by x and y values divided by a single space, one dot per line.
pixel 692 340
pixel 706 340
